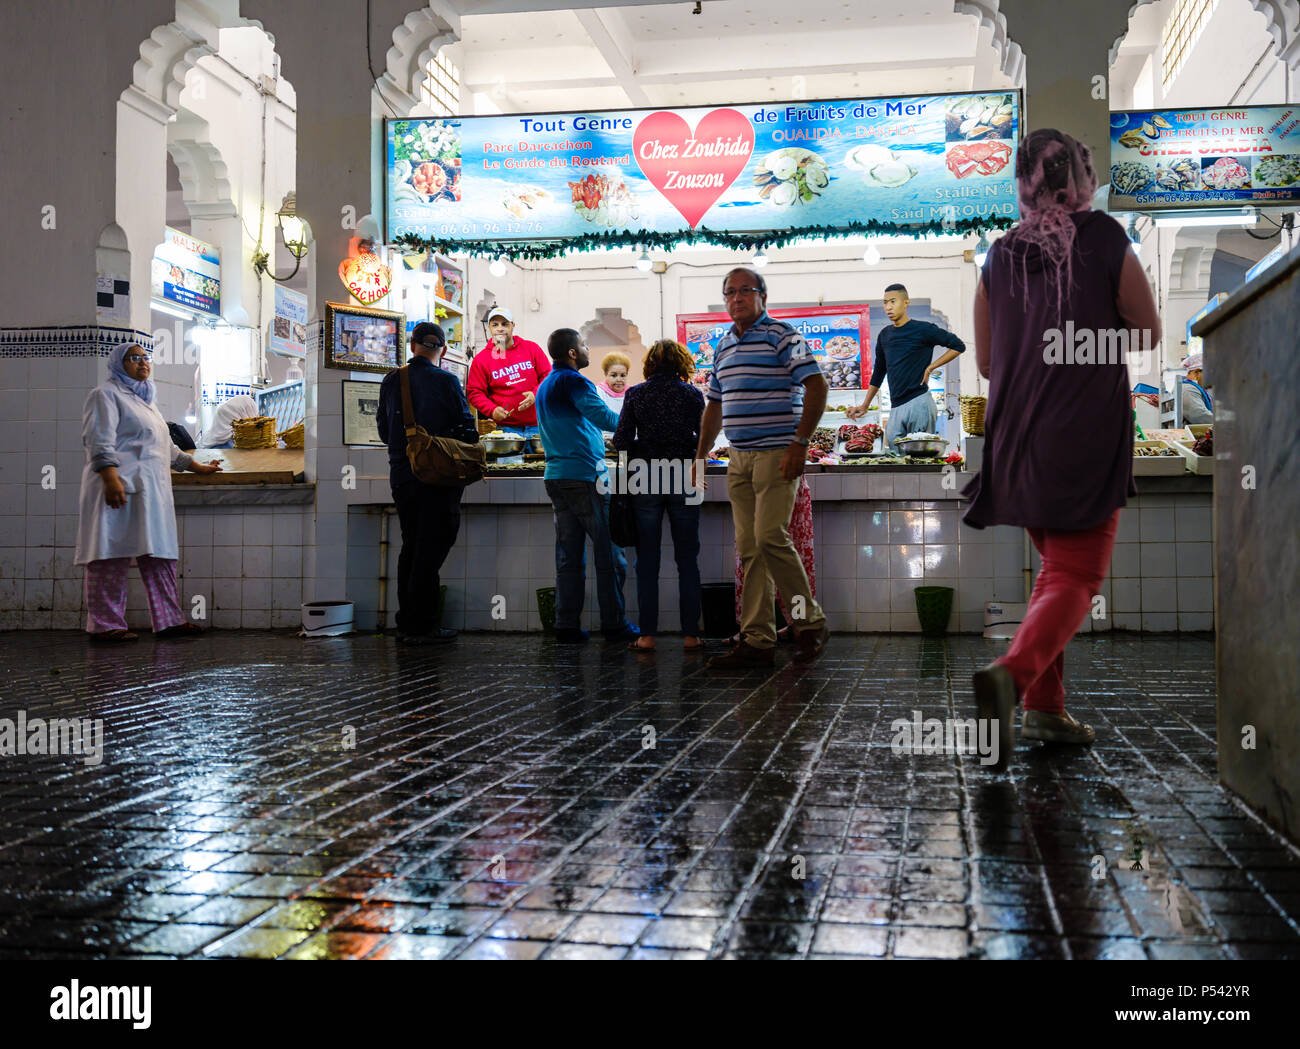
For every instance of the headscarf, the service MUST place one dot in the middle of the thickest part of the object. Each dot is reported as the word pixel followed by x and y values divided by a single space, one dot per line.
pixel 1055 179
pixel 142 388
pixel 1192 361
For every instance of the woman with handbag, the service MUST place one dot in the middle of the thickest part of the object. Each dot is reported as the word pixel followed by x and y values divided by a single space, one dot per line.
pixel 659 427
pixel 126 501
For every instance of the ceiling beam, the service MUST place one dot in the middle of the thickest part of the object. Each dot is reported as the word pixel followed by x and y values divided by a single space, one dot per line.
pixel 746 73
pixel 617 52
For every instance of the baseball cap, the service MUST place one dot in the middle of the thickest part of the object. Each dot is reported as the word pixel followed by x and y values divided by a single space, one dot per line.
pixel 500 311
pixel 425 330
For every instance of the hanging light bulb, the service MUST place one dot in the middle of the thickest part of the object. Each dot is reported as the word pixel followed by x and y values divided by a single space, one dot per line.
pixel 760 258
pixel 872 255
pixel 982 250
pixel 643 262
pixel 498 266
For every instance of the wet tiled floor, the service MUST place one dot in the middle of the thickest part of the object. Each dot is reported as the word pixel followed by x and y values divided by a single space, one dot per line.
pixel 502 800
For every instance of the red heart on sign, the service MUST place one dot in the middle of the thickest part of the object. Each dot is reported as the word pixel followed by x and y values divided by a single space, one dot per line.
pixel 693 171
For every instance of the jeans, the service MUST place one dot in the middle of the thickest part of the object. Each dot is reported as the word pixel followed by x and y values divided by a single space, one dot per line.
pixel 919 415
pixel 522 431
pixel 430 520
pixel 582 513
pixel 684 524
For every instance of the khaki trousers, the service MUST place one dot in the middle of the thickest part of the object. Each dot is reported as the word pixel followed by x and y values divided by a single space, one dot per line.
pixel 761 503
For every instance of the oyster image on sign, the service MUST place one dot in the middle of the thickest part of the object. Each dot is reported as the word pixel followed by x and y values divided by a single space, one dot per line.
pixel 978 116
pixel 791 176
pixel 880 166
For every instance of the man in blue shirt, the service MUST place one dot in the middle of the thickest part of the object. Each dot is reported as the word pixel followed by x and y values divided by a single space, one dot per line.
pixel 768 392
pixel 904 353
pixel 571 416
pixel 429 515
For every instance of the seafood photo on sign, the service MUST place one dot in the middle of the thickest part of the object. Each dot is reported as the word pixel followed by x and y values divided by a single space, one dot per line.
pixel 977 158
pixel 1225 173
pixel 979 116
pixel 525 200
pixel 791 176
pixel 1281 169
pixel 1130 176
pixel 1179 176
pixel 880 166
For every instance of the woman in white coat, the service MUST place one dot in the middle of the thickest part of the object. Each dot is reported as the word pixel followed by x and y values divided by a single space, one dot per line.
pixel 126 501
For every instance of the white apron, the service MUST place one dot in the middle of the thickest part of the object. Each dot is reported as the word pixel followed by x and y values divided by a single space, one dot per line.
pixel 118 422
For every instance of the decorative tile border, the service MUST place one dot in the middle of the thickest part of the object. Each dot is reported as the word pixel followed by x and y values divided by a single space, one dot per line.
pixel 69 341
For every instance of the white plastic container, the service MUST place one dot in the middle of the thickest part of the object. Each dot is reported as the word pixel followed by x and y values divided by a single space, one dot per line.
pixel 327 618
pixel 1003 618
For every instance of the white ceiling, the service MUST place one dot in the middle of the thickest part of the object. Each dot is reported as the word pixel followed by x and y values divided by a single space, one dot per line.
pixel 637 55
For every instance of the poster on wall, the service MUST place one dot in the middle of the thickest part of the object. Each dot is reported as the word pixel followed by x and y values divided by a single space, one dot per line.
pixel 289 323
pixel 903 162
pixel 837 336
pixel 1201 158
pixel 360 413
pixel 187 271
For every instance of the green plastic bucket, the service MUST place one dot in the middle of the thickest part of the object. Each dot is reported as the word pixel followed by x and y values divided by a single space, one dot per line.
pixel 546 607
pixel 934 609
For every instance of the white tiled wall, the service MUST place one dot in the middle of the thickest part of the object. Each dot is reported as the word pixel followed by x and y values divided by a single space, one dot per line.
pixel 869 557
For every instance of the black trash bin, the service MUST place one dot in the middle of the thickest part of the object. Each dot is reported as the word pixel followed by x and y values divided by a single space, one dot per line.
pixel 718 605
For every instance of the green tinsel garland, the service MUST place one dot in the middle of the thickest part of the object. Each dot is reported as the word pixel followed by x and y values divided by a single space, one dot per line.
pixel 536 250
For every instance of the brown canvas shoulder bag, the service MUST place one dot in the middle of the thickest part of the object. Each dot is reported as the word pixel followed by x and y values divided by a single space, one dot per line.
pixel 441 461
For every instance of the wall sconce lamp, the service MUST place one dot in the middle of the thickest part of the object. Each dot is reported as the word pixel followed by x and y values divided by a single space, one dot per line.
pixel 293 230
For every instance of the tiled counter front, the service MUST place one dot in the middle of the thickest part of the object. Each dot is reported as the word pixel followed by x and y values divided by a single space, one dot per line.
pixel 877 538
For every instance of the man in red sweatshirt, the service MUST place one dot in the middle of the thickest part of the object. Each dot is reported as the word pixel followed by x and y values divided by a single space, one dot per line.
pixel 504 376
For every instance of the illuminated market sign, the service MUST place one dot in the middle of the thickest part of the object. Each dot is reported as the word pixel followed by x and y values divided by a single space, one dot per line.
pixel 753 173
pixel 186 271
pixel 836 335
pixel 1199 158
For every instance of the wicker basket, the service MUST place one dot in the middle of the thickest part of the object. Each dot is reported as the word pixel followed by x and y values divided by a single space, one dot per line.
pixel 257 432
pixel 972 415
pixel 294 437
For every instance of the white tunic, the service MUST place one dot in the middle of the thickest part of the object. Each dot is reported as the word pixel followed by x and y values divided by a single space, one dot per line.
pixel 119 429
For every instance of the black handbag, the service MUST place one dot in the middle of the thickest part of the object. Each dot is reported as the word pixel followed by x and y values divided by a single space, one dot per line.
pixel 622 520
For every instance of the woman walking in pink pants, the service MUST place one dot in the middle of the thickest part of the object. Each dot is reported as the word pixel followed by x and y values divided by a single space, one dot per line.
pixel 126 501
pixel 1058 459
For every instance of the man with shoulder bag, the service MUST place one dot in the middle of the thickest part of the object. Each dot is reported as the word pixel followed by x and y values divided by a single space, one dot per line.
pixel 433 452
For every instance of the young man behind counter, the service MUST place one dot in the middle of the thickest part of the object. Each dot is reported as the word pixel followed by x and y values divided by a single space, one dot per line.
pixel 429 515
pixel 903 353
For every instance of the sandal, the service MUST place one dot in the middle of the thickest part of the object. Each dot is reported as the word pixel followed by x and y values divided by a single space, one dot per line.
pixel 112 637
pixel 691 643
pixel 636 645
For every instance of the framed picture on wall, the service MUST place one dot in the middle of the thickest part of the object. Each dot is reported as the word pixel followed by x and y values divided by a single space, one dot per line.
pixel 360 413
pixel 364 339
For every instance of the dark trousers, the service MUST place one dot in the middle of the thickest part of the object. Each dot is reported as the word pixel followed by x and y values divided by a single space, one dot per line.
pixel 430 519
pixel 684 524
pixel 582 513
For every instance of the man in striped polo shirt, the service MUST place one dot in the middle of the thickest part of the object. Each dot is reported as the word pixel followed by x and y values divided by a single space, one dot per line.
pixel 767 391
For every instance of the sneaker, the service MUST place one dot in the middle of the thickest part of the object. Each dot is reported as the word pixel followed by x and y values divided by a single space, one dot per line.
pixel 627 632
pixel 1055 728
pixel 744 655
pixel 571 636
pixel 810 643
pixel 995 699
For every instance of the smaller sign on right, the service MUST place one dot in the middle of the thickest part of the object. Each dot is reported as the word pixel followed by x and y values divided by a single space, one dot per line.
pixel 1165 160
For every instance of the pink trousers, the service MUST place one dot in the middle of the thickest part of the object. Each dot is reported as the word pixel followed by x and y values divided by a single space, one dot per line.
pixel 1074 566
pixel 106 593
